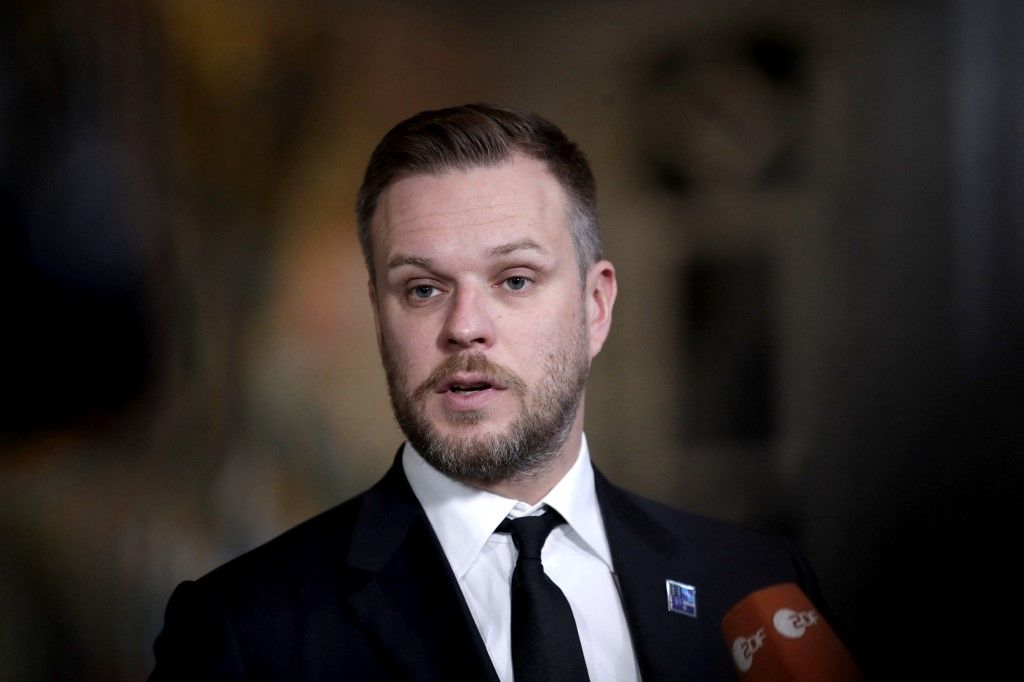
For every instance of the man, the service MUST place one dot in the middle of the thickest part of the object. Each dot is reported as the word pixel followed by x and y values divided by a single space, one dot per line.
pixel 491 299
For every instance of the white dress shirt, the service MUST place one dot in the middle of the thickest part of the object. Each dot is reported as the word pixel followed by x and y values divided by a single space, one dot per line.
pixel 576 557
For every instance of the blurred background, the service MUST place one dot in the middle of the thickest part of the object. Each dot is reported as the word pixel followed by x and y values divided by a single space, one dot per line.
pixel 816 211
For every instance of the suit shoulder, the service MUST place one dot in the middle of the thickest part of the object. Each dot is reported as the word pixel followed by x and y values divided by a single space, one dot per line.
pixel 241 620
pixel 317 544
pixel 717 541
pixel 688 524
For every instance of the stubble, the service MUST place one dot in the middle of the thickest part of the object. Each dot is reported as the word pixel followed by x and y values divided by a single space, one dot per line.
pixel 523 449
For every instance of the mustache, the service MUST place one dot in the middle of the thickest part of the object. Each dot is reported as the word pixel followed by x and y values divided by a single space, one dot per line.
pixel 470 362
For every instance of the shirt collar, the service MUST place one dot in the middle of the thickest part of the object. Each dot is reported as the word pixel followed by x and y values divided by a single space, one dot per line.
pixel 464 517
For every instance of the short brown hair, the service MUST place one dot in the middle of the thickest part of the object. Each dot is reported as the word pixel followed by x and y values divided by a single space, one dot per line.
pixel 475 135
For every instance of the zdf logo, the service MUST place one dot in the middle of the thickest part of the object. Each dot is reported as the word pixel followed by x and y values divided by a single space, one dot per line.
pixel 744 648
pixel 792 624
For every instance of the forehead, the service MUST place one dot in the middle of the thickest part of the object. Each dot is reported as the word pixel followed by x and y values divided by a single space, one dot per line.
pixel 464 210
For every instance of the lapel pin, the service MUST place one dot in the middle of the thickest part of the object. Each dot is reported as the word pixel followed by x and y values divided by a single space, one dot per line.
pixel 682 598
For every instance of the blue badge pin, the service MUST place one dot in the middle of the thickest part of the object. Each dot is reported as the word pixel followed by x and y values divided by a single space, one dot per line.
pixel 682 598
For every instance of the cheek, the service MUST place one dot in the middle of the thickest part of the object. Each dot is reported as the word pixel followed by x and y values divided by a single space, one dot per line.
pixel 549 337
pixel 410 349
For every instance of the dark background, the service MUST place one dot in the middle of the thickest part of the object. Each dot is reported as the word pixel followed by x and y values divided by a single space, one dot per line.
pixel 817 215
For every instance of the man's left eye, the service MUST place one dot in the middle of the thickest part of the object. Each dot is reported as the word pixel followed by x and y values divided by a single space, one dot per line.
pixel 517 283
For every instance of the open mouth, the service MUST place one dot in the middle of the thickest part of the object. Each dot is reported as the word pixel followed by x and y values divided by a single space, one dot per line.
pixel 469 388
pixel 468 383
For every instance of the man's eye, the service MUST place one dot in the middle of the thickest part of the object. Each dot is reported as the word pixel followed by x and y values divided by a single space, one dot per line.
pixel 423 292
pixel 517 283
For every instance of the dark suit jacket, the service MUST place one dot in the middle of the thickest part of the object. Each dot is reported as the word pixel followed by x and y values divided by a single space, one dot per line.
pixel 364 592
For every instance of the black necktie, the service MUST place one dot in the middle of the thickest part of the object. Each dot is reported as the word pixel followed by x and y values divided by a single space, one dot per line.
pixel 545 642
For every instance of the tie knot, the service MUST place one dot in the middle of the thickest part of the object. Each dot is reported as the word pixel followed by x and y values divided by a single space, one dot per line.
pixel 530 532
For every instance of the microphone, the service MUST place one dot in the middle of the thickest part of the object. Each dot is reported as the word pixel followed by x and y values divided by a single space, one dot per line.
pixel 776 634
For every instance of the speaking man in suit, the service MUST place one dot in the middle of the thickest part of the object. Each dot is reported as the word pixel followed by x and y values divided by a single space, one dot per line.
pixel 492 549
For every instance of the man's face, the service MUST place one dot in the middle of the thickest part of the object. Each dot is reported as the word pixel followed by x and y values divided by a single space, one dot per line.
pixel 483 326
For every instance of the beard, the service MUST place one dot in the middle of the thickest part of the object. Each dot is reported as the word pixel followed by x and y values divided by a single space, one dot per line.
pixel 526 446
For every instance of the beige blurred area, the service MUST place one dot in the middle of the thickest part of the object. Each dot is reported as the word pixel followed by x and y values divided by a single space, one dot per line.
pixel 783 186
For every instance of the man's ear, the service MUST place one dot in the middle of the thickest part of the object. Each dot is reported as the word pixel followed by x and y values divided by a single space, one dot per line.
pixel 600 294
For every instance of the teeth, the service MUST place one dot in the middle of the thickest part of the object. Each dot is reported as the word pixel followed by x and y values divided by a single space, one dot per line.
pixel 474 387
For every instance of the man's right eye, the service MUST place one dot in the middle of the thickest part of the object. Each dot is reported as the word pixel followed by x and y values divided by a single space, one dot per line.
pixel 423 291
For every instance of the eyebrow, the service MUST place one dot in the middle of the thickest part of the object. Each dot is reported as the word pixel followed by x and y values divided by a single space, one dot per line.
pixel 400 260
pixel 500 250
pixel 512 247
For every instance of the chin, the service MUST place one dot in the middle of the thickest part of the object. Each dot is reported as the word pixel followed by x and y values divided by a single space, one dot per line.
pixel 473 424
pixel 489 419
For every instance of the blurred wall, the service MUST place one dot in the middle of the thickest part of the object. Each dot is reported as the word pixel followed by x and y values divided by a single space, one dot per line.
pixel 815 211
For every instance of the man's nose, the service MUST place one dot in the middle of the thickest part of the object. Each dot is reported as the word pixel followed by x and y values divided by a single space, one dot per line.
pixel 468 324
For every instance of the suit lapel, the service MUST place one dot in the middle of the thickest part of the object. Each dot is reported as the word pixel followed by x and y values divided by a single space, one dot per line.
pixel 411 605
pixel 668 646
